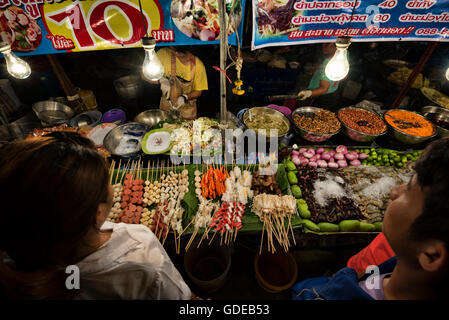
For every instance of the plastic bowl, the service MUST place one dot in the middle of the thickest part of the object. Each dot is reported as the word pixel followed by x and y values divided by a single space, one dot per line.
pixel 114 115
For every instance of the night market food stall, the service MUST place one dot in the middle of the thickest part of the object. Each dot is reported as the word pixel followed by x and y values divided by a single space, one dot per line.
pixel 330 175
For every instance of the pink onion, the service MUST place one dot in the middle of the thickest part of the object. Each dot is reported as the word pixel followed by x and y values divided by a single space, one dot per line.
pixel 355 154
pixel 363 156
pixel 331 160
pixel 313 164
pixel 295 153
pixel 332 153
pixel 322 163
pixel 320 150
pixel 296 161
pixel 302 150
pixel 339 156
pixel 342 149
pixel 332 165
pixel 304 162
pixel 355 163
pixel 350 156
pixel 312 151
pixel 318 156
pixel 307 154
pixel 325 156
pixel 342 163
pixel 314 159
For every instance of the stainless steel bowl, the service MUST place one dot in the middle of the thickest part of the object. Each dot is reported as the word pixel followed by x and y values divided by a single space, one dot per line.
pixel 360 136
pixel 126 140
pixel 88 118
pixel 152 117
pixel 52 112
pixel 406 138
pixel 128 87
pixel 264 110
pixel 309 135
pixel 433 113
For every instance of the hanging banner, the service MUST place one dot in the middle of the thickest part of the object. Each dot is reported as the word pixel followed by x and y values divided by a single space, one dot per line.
pixel 53 26
pixel 288 22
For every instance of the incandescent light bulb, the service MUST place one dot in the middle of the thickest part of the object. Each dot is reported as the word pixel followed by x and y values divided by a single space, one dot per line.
pixel 338 67
pixel 152 67
pixel 17 67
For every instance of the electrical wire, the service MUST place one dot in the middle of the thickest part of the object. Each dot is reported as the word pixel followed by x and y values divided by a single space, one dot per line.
pixel 143 20
pixel 352 15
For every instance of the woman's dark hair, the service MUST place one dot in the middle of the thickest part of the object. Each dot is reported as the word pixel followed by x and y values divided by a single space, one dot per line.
pixel 51 189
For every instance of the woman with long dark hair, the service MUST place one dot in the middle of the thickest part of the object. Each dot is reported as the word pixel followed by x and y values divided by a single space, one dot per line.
pixel 56 197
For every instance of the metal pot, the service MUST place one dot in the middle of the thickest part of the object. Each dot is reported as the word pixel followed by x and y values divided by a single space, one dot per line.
pixel 357 135
pixel 433 114
pixel 406 138
pixel 52 113
pixel 152 117
pixel 309 135
pixel 23 126
pixel 128 87
pixel 264 110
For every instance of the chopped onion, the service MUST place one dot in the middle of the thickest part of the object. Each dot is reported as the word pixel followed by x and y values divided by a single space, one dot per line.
pixel 313 164
pixel 342 163
pixel 363 156
pixel 339 156
pixel 342 149
pixel 355 163
pixel 332 165
pixel 320 150
pixel 322 163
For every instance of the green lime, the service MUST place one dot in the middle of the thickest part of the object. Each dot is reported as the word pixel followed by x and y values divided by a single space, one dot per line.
pixel 387 164
pixel 415 153
pixel 399 165
pixel 364 162
pixel 369 158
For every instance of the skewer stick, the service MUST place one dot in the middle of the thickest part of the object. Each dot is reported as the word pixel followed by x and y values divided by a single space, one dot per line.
pixel 206 231
pixel 212 237
pixel 261 240
pixel 118 170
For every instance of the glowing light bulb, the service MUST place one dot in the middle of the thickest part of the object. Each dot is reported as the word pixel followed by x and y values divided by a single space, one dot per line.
pixel 338 67
pixel 16 67
pixel 447 74
pixel 152 67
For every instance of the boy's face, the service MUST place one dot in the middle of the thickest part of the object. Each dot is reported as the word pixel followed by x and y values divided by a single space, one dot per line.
pixel 405 207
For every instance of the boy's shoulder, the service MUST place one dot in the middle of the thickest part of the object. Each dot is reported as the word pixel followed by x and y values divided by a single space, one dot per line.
pixel 343 285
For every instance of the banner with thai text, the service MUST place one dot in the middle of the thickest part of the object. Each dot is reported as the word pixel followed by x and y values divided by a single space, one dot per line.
pixel 52 26
pixel 287 22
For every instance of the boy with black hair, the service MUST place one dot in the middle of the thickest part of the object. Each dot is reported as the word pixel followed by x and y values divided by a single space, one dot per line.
pixel 416 225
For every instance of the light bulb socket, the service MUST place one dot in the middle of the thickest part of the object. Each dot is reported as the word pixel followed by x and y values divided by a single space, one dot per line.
pixel 148 43
pixel 343 42
pixel 5 47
